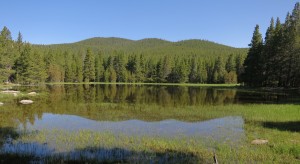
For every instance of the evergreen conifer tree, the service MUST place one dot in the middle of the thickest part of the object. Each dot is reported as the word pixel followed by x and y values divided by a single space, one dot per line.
pixel 89 67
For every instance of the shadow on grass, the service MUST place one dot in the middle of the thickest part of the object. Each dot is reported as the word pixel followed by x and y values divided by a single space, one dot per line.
pixel 20 152
pixel 15 158
pixel 6 132
pixel 9 132
pixel 99 155
pixel 293 126
pixel 120 155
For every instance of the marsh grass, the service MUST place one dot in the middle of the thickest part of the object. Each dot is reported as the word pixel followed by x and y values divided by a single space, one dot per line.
pixel 105 147
pixel 85 145
pixel 279 123
pixel 6 98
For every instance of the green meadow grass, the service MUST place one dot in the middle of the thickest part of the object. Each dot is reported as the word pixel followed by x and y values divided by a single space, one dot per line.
pixel 277 123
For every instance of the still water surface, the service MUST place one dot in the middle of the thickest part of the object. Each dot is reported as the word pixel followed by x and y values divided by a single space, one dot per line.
pixel 133 110
pixel 227 128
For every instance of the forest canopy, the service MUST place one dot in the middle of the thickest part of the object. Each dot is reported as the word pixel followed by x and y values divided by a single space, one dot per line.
pixel 275 60
pixel 119 60
pixel 270 62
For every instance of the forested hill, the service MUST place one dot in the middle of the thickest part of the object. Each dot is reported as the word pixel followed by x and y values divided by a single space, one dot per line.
pixel 271 62
pixel 151 46
pixel 119 60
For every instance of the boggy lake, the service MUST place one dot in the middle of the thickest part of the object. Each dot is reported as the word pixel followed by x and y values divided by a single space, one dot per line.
pixel 61 113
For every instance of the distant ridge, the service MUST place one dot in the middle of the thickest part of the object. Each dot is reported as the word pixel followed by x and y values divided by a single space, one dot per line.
pixel 149 46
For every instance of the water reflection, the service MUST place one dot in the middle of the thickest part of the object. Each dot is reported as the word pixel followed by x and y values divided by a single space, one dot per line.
pixel 127 102
pixel 53 127
pixel 161 95
pixel 220 129
pixel 132 110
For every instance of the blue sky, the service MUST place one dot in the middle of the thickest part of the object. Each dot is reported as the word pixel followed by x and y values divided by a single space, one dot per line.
pixel 229 22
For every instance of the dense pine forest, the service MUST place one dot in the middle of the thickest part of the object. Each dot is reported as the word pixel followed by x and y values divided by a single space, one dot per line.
pixel 272 62
pixel 275 61
pixel 119 60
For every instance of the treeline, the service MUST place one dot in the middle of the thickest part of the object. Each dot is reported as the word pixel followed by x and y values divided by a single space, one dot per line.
pixel 275 61
pixel 151 47
pixel 26 64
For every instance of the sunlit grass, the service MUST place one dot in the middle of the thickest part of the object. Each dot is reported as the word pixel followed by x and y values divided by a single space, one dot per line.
pixel 88 145
pixel 278 123
pixel 283 146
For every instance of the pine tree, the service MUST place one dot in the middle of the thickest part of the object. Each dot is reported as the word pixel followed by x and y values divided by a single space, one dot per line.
pixel 219 70
pixel 268 52
pixel 143 70
pixel 211 74
pixel 229 66
pixel 278 57
pixel 119 64
pixel 112 75
pixel 69 74
pixel 239 61
pixel 99 68
pixel 38 72
pixel 73 68
pixel 158 71
pixel 7 55
pixel 151 71
pixel 53 70
pixel 193 70
pixel 79 68
pixel 29 72
pixel 139 77
pixel 201 73
pixel 89 67
pixel 292 47
pixel 19 42
pixel 252 75
pixel 165 69
pixel 179 73
pixel 134 68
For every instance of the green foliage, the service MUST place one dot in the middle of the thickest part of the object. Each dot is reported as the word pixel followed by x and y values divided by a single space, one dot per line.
pixel 99 68
pixel 19 42
pixel 230 77
pixel 276 122
pixel 119 67
pixel 69 68
pixel 30 67
pixel 230 65
pixel 252 75
pixel 193 70
pixel 150 48
pixel 276 62
pixel 219 70
pixel 239 61
pixel 79 68
pixel 7 55
pixel 89 67
pixel 117 60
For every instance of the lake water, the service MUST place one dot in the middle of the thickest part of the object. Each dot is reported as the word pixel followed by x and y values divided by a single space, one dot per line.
pixel 227 128
pixel 132 110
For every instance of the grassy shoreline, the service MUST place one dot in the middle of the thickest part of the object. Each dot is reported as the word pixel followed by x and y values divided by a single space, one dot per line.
pixel 156 84
pixel 237 85
pixel 277 123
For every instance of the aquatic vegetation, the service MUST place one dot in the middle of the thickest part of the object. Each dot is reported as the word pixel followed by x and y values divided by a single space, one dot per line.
pixel 31 139
pixel 104 146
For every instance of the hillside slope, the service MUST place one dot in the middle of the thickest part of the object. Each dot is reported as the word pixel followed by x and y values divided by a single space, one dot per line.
pixel 149 47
